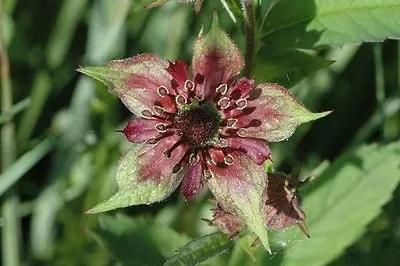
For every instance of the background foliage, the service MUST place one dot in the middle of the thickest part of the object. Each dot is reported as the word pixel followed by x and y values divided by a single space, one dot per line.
pixel 59 148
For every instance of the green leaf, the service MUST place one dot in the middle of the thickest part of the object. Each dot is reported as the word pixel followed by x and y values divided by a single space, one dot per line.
pixel 201 249
pixel 25 163
pixel 319 23
pixel 135 242
pixel 134 191
pixel 287 67
pixel 343 201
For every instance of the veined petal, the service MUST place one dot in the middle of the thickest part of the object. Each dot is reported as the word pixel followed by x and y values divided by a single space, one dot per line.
pixel 274 113
pixel 256 149
pixel 238 188
pixel 135 80
pixel 139 130
pixel 144 176
pixel 241 88
pixel 191 184
pixel 216 60
pixel 179 71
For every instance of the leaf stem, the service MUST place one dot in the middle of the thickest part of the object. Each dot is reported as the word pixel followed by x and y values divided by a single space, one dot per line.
pixel 248 14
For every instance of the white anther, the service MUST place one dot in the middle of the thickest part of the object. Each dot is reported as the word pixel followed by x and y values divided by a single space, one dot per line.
pixel 162 91
pixel 231 122
pixel 210 161
pixel 242 132
pixel 158 109
pixel 151 141
pixel 223 143
pixel 161 127
pixel 241 103
pixel 180 99
pixel 224 102
pixel 189 85
pixel 194 159
pixel 228 159
pixel 146 114
pixel 222 89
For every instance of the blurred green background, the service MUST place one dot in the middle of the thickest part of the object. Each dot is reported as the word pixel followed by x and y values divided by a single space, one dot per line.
pixel 60 148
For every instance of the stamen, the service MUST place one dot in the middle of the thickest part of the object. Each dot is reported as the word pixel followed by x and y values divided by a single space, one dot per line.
pixel 180 100
pixel 168 152
pixel 147 114
pixel 152 140
pixel 231 122
pixel 228 159
pixel 158 109
pixel 162 91
pixel 241 103
pixel 194 159
pixel 189 85
pixel 242 132
pixel 224 102
pixel 161 127
pixel 223 143
pixel 222 89
pixel 176 168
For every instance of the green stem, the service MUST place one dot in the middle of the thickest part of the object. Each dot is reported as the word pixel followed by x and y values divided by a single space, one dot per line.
pixel 380 84
pixel 248 14
pixel 10 231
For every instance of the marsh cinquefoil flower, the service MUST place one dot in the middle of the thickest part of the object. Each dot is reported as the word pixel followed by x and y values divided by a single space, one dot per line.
pixel 209 127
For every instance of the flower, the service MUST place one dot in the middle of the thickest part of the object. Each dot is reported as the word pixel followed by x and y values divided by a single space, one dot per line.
pixel 208 127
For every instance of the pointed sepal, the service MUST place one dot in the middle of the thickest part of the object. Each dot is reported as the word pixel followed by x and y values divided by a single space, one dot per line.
pixel 140 182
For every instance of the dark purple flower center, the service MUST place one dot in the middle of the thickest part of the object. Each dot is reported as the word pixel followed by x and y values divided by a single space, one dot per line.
pixel 197 125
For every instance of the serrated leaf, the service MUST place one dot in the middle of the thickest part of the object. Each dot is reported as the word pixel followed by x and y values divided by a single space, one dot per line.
pixel 343 201
pixel 287 67
pixel 319 23
pixel 134 242
pixel 201 249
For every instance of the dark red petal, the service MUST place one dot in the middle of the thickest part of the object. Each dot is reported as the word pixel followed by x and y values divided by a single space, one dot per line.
pixel 179 71
pixel 138 130
pixel 241 88
pixel 256 149
pixel 191 185
pixel 154 164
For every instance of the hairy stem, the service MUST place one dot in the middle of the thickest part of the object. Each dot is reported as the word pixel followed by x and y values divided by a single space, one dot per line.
pixel 248 14
pixel 10 230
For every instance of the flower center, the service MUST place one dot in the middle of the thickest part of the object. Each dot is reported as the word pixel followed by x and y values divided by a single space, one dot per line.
pixel 197 124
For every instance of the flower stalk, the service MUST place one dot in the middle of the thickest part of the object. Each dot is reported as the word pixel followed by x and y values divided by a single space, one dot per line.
pixel 248 14
pixel 10 229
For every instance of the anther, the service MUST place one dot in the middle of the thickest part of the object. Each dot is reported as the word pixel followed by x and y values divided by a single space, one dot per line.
pixel 161 127
pixel 180 100
pixel 162 91
pixel 231 122
pixel 242 132
pixel 176 168
pixel 241 103
pixel 194 159
pixel 158 109
pixel 167 153
pixel 223 143
pixel 151 141
pixel 222 89
pixel 146 114
pixel 224 102
pixel 228 159
pixel 189 85
pixel 210 161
